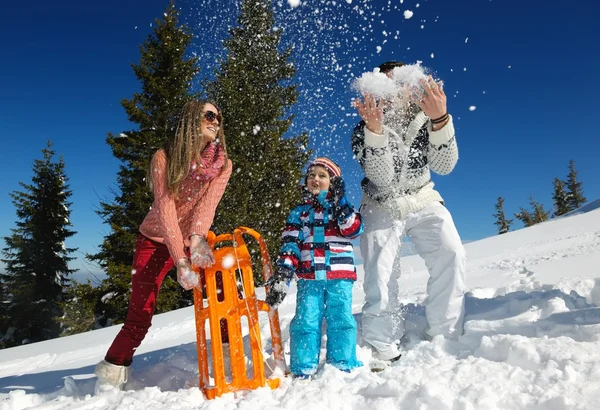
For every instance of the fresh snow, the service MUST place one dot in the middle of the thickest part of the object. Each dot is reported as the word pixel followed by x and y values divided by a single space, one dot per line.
pixel 381 86
pixel 532 341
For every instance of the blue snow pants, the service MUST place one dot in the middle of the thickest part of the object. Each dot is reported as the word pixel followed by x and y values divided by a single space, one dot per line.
pixel 316 299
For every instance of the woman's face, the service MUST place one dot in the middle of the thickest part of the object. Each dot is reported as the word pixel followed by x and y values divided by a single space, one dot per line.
pixel 211 120
pixel 317 180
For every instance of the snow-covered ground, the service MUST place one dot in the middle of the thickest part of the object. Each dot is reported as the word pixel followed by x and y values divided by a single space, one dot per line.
pixel 532 341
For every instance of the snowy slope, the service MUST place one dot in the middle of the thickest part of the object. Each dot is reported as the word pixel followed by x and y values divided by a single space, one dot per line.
pixel 532 341
pixel 590 206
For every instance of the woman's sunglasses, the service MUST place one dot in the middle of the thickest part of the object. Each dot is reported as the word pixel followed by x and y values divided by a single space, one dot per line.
pixel 210 116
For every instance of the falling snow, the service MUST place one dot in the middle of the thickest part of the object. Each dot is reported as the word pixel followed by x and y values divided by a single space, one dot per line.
pixel 332 43
pixel 228 261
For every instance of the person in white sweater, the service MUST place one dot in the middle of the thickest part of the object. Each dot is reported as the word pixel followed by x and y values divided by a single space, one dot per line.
pixel 397 143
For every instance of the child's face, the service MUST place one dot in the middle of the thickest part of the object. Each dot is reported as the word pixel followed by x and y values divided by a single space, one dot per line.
pixel 317 180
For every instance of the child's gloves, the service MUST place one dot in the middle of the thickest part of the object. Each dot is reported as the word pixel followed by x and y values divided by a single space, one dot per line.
pixel 342 209
pixel 338 189
pixel 200 252
pixel 187 278
pixel 278 285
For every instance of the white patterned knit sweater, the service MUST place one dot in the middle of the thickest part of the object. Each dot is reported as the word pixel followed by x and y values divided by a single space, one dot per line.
pixel 397 167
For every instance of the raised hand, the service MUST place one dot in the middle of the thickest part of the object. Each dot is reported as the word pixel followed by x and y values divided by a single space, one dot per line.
pixel 338 189
pixel 432 99
pixel 371 112
pixel 341 207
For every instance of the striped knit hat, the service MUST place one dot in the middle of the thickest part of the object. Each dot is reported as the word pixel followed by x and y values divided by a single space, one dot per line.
pixel 331 167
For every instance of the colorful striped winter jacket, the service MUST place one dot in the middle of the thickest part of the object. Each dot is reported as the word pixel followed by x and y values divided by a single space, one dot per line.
pixel 315 244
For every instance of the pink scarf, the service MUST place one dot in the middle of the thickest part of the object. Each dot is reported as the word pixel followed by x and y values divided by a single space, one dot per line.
pixel 211 162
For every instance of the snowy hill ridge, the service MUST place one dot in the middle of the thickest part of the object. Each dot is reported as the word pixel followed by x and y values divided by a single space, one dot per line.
pixel 590 206
pixel 532 341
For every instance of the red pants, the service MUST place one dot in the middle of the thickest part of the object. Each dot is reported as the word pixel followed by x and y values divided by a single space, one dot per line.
pixel 151 263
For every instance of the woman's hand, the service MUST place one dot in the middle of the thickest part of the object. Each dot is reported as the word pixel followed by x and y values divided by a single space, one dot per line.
pixel 186 277
pixel 371 112
pixel 433 100
pixel 201 254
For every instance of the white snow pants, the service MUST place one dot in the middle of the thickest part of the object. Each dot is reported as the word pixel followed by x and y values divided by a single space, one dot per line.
pixel 436 240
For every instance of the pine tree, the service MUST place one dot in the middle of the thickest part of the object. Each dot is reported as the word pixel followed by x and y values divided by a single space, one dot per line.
pixel 501 221
pixel 539 214
pixel 254 90
pixel 79 309
pixel 574 187
pixel 561 198
pixel 166 77
pixel 36 258
pixel 525 216
pixel 4 305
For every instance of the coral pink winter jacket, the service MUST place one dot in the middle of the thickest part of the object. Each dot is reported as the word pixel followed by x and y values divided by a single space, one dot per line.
pixel 172 221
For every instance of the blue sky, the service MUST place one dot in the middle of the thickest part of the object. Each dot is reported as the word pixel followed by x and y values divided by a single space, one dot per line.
pixel 530 73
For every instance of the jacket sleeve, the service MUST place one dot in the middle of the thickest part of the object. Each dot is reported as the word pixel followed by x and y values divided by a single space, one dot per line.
pixel 204 214
pixel 373 154
pixel 443 151
pixel 291 239
pixel 167 211
pixel 351 226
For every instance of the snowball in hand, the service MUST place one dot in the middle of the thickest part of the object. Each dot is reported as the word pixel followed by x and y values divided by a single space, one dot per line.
pixel 189 277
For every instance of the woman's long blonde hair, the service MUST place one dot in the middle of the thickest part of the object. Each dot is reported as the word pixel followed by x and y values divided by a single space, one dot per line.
pixel 186 145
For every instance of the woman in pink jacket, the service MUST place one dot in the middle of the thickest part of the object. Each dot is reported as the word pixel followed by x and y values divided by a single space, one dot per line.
pixel 188 177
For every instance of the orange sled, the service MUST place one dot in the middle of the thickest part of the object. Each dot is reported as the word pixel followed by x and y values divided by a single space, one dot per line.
pixel 230 304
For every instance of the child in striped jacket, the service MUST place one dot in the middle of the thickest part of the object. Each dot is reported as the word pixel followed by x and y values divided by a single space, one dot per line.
pixel 317 250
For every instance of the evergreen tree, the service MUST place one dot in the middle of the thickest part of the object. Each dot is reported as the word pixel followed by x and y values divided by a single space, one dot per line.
pixel 525 216
pixel 36 258
pixel 561 198
pixel 574 187
pixel 501 221
pixel 539 214
pixel 254 90
pixel 79 307
pixel 166 77
pixel 4 304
